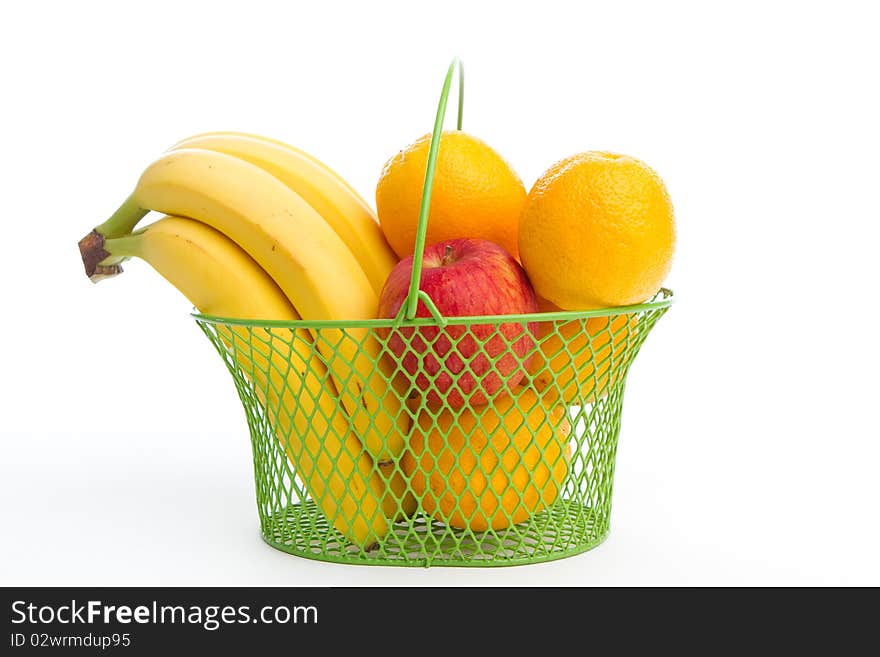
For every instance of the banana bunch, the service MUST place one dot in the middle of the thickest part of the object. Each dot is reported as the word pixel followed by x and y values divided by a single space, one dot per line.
pixel 256 229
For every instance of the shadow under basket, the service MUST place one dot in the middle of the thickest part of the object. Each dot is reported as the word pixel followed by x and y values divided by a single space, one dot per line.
pixel 375 442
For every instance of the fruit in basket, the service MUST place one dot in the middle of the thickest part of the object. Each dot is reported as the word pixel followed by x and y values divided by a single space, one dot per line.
pixel 490 467
pixel 398 502
pixel 597 230
pixel 462 365
pixel 293 243
pixel 577 361
pixel 218 278
pixel 330 195
pixel 475 194
pixel 274 234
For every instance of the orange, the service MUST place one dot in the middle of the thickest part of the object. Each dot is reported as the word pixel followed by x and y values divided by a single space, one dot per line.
pixel 475 194
pixel 598 230
pixel 493 466
pixel 574 358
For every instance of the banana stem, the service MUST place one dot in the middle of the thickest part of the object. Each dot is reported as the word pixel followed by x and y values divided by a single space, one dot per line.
pixel 100 263
pixel 123 221
pixel 127 246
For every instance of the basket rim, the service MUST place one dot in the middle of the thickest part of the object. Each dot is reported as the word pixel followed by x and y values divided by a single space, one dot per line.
pixel 663 299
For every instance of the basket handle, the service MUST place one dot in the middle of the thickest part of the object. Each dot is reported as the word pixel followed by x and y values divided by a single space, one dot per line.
pixel 415 294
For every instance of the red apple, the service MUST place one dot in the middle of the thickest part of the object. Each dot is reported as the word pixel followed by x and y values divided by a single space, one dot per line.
pixel 459 365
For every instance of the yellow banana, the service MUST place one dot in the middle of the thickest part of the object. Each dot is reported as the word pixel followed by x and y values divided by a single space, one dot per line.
pixel 398 501
pixel 302 254
pixel 220 279
pixel 327 192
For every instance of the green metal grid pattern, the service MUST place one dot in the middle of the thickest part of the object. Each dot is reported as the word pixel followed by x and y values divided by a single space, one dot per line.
pixel 525 477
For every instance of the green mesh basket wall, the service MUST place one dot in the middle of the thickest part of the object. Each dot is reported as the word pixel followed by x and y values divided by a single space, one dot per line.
pixel 496 448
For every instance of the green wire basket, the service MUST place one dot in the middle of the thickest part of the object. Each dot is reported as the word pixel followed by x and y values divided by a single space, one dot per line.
pixel 413 478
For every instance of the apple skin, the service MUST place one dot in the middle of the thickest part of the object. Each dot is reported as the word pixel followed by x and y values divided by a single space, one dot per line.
pixel 464 277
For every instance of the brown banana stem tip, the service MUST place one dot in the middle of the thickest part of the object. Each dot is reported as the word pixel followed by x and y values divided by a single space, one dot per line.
pixel 91 248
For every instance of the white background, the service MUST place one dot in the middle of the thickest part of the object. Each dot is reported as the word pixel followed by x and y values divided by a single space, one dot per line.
pixel 749 448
